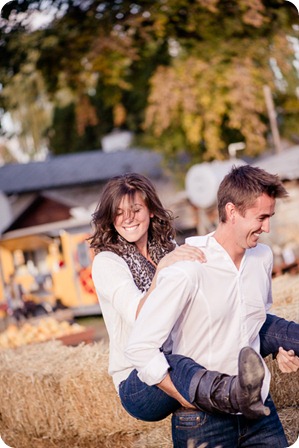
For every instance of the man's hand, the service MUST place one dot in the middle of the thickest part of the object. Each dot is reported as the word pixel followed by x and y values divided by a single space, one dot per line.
pixel 287 361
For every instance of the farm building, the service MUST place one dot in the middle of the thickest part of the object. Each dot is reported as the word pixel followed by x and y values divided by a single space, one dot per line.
pixel 46 211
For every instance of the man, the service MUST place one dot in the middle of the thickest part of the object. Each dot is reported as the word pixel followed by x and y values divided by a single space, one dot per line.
pixel 210 312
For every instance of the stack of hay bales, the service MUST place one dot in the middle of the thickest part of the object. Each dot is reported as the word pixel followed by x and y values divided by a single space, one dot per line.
pixel 58 396
pixel 285 387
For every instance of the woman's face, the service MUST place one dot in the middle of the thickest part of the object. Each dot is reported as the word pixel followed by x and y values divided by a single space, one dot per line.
pixel 132 219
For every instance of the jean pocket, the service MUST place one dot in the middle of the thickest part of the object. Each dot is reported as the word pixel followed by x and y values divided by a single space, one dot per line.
pixel 189 419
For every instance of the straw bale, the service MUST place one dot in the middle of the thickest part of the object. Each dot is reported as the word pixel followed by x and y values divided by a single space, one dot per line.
pixel 92 397
pixel 157 438
pixel 285 289
pixel 290 421
pixel 284 387
pixel 53 393
pixel 59 396
pixel 24 377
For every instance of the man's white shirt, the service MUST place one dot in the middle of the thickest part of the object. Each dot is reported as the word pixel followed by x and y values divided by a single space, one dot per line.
pixel 207 312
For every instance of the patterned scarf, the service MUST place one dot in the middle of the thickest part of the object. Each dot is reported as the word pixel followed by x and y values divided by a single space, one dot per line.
pixel 142 270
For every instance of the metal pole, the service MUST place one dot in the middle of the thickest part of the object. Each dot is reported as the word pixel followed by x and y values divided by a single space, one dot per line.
pixel 272 118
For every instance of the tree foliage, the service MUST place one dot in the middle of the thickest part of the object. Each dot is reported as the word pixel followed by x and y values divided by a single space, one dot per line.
pixel 184 75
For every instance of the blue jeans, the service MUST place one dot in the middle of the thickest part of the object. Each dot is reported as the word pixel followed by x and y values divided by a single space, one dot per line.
pixel 197 428
pixel 278 332
pixel 150 403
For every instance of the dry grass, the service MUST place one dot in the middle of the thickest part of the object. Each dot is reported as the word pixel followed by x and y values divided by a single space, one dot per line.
pixel 56 396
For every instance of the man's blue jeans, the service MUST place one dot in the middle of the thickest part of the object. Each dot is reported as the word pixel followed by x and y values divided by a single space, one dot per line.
pixel 199 429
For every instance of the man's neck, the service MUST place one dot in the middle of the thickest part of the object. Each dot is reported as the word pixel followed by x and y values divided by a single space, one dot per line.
pixel 225 237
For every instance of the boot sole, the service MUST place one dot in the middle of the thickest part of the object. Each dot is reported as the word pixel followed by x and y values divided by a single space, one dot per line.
pixel 251 375
pixel 251 369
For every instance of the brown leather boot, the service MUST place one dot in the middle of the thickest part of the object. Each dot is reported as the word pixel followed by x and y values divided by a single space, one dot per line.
pixel 215 392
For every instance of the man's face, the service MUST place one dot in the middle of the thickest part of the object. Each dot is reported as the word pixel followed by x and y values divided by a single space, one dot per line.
pixel 248 228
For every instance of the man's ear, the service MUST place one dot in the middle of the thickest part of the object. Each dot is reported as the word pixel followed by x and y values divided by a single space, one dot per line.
pixel 230 211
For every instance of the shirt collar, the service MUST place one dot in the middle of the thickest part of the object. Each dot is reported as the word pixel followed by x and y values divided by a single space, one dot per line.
pixel 200 241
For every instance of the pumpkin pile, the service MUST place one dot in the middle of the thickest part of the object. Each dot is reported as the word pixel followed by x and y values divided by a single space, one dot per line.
pixel 29 333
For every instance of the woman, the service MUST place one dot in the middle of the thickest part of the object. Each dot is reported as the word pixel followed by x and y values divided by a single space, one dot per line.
pixel 133 240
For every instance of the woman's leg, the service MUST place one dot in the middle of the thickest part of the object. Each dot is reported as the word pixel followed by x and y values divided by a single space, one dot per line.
pixel 278 332
pixel 215 392
pixel 208 390
pixel 145 402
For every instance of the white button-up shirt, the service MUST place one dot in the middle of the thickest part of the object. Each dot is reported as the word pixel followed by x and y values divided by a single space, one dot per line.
pixel 208 311
pixel 119 298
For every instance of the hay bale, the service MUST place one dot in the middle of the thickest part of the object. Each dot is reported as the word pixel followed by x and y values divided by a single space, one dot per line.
pixel 53 393
pixel 24 376
pixel 290 421
pixel 58 396
pixel 284 387
pixel 156 439
pixel 285 289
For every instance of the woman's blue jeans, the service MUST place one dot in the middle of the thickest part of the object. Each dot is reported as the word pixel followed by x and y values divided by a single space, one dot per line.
pixel 150 403
pixel 278 332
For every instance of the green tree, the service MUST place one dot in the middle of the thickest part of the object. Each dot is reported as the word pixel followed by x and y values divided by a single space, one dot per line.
pixel 184 75
pixel 212 91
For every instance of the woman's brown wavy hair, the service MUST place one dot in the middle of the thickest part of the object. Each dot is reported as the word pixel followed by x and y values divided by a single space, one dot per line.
pixel 105 237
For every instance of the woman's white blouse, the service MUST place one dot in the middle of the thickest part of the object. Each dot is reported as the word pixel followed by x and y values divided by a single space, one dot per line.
pixel 118 297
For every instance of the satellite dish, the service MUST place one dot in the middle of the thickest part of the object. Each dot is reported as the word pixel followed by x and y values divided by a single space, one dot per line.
pixel 5 212
pixel 202 181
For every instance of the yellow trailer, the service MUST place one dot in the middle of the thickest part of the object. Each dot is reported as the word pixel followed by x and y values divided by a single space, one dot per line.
pixel 47 263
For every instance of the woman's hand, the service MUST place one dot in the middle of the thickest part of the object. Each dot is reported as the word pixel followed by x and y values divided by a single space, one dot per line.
pixel 287 361
pixel 183 252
